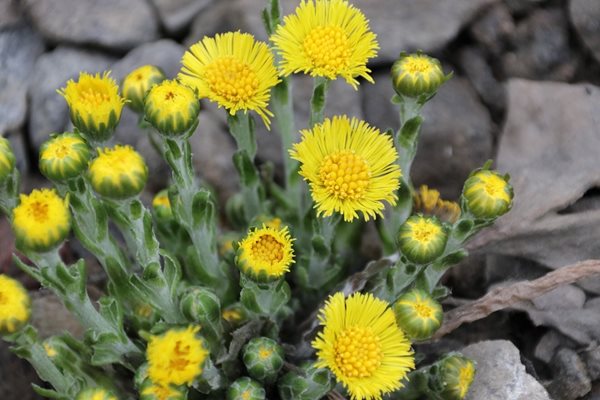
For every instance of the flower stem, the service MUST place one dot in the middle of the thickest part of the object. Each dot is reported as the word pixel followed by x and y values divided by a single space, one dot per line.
pixel 318 100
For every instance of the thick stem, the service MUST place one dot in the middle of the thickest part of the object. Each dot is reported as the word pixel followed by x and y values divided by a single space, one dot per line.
pixel 318 100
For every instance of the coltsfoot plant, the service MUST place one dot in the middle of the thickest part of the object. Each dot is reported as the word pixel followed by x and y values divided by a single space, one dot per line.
pixel 255 307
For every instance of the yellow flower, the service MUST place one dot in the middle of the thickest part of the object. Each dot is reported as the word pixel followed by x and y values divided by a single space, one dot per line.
pixel 266 254
pixel 118 172
pixel 417 74
pixel 232 315
pixel 422 239
pixel 64 156
pixel 152 391
pixel 7 159
pixel 350 167
pixel 487 194
pixel 429 202
pixel 171 108
pixel 233 70
pixel 418 314
pixel 15 305
pixel 362 345
pixel 94 104
pixel 176 357
pixel 41 221
pixel 457 373
pixel 95 394
pixel 138 82
pixel 326 38
pixel 162 204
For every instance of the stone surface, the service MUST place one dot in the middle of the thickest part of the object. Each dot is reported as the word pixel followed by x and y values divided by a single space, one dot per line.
pixel 493 28
pixel 51 72
pixel 115 24
pixel 51 317
pixel 164 53
pixel 17 376
pixel 548 146
pixel 585 16
pixel 500 373
pixel 541 48
pixel 20 46
pixel 474 64
pixel 591 357
pixel 520 7
pixel 10 13
pixel 175 15
pixel 571 379
pixel 549 343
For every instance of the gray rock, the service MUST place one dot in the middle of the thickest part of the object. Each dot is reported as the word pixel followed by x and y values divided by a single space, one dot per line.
pixel 541 48
pixel 571 379
pixel 45 304
pixel 51 72
pixel 164 53
pixel 19 146
pixel 475 66
pixel 114 24
pixel 563 297
pixel 520 7
pixel 594 394
pixel 20 46
pixel 591 357
pixel 585 15
pixel 175 15
pixel 17 376
pixel 493 28
pixel 500 373
pixel 10 13
pixel 549 343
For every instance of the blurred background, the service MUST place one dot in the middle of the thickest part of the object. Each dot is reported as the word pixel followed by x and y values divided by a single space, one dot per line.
pixel 525 93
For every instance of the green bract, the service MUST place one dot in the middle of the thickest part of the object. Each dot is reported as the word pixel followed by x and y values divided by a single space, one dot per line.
pixel 7 159
pixel 246 389
pixel 417 74
pixel 171 108
pixel 263 359
pixel 64 156
pixel 487 194
pixel 418 314
pixel 422 239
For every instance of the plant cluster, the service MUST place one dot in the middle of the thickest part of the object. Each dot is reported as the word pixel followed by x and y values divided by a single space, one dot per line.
pixel 264 305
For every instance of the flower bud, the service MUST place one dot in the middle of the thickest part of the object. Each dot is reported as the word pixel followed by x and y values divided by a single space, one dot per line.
pixel 418 314
pixel 429 202
pixel 246 389
pixel 7 159
pixel 456 373
pixel 16 305
pixel 94 104
pixel 95 394
pixel 138 82
pixel 263 359
pixel 118 173
pixel 422 239
pixel 41 221
pixel 162 205
pixel 171 108
pixel 312 383
pixel 151 391
pixel 417 74
pixel 201 304
pixel 487 194
pixel 64 156
pixel 234 314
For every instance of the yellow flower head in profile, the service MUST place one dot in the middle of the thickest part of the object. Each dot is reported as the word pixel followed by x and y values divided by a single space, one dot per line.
pixel 171 108
pixel 138 82
pixel 176 357
pixel 457 373
pixel 118 172
pixel 417 74
pixel 326 38
pixel 15 305
pixel 487 194
pixel 7 159
pixel 233 70
pixel 41 221
pixel 429 202
pixel 95 105
pixel 95 394
pixel 266 254
pixel 151 391
pixel 162 205
pixel 350 167
pixel 64 156
pixel 362 345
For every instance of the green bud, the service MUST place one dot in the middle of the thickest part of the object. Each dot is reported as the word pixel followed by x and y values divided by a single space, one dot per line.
pixel 309 384
pixel 263 358
pixel 64 156
pixel 95 394
pixel 119 172
pixel 202 306
pixel 7 159
pixel 487 194
pixel 234 315
pixel 422 239
pixel 152 391
pixel 246 389
pixel 138 82
pixel 171 108
pixel 456 374
pixel 417 74
pixel 418 314
pixel 162 205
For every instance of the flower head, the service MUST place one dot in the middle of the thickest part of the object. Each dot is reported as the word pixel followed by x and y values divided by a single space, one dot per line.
pixel 417 74
pixel 457 373
pixel 172 108
pixel 41 221
pixel 15 305
pixel 151 391
pixel 233 70
pixel 362 345
pixel 233 314
pixel 176 357
pixel 96 393
pixel 488 194
pixel 64 156
pixel 266 254
pixel 326 38
pixel 422 239
pixel 429 202
pixel 7 159
pixel 245 388
pixel 95 105
pixel 118 172
pixel 350 167
pixel 138 82
pixel 162 205
pixel 418 314
pixel 263 358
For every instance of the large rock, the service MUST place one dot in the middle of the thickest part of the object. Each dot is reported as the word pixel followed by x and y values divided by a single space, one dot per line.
pixel 20 46
pixel 10 13
pixel 52 70
pixel 164 53
pixel 571 380
pixel 115 24
pixel 456 136
pixel 500 373
pixel 585 15
pixel 493 28
pixel 175 15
